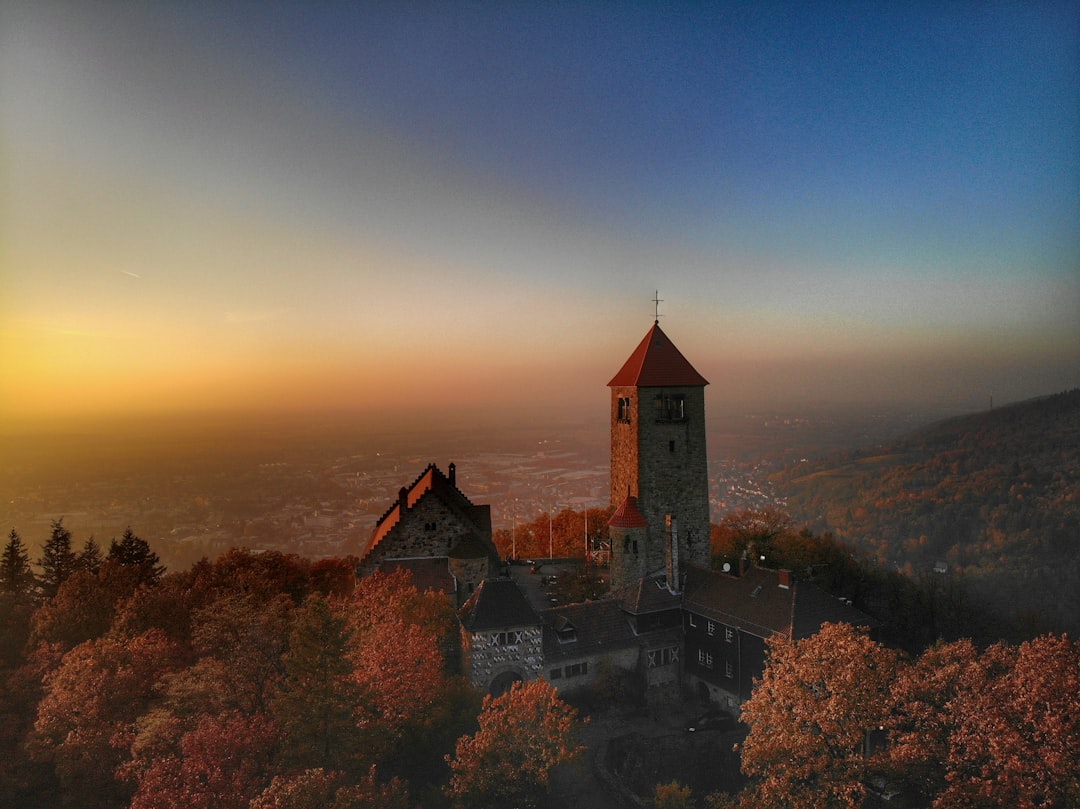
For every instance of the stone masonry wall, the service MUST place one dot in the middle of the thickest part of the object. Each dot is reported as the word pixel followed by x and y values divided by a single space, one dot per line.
pixel 674 476
pixel 487 658
pixel 664 463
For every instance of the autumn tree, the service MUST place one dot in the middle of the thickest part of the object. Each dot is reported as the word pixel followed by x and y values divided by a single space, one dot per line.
pixel 809 716
pixel 523 734
pixel 318 789
pixel 84 605
pixel 223 762
pixel 1000 728
pixel 239 641
pixel 86 717
pixel 398 651
pixel 748 531
pixel 58 561
pixel 672 796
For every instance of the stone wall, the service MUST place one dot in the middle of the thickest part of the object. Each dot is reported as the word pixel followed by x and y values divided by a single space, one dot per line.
pixel 487 655
pixel 428 529
pixel 662 462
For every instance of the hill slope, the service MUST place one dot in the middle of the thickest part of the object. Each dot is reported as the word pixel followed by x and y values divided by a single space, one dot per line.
pixel 993 496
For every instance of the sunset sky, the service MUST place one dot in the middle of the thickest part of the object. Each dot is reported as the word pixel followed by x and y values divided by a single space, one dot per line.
pixel 467 207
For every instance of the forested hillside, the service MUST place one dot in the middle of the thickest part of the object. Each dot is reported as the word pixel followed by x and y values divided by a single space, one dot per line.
pixel 992 497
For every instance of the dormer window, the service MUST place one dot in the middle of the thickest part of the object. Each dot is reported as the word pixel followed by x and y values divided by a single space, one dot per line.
pixel 670 408
pixel 565 631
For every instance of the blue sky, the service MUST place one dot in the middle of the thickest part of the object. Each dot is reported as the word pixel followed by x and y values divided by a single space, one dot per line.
pixel 375 205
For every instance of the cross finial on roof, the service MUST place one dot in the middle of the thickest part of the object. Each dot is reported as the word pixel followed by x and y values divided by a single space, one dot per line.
pixel 657 300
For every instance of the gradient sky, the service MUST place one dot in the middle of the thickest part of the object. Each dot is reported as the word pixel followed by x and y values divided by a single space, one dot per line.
pixel 374 206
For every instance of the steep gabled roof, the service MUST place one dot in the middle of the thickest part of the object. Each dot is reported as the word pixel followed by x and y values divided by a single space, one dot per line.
pixel 431 481
pixel 497 604
pixel 656 363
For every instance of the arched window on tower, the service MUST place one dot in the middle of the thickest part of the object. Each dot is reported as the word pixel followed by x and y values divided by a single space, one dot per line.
pixel 670 408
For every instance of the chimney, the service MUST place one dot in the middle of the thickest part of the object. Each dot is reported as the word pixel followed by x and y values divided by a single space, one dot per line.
pixel 672 526
pixel 452 474
pixel 403 500
pixel 785 579
pixel 744 564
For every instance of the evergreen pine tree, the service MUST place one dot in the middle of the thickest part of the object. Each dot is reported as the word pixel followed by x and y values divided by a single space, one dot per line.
pixel 16 576
pixel 131 551
pixel 90 558
pixel 57 560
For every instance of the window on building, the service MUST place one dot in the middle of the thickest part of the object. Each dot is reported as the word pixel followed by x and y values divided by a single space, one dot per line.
pixel 711 628
pixel 662 657
pixel 670 408
pixel 705 658
pixel 729 670
pixel 508 638
pixel 576 669
pixel 690 619
pixel 670 446
pixel 729 634
pixel 624 409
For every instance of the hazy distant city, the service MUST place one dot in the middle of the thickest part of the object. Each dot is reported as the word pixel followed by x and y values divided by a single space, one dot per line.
pixel 317 490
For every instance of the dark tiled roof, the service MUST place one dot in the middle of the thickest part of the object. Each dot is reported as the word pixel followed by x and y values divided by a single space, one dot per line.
pixel 427 574
pixel 814 607
pixel 628 515
pixel 595 626
pixel 497 603
pixel 649 594
pixel 756 603
pixel 656 362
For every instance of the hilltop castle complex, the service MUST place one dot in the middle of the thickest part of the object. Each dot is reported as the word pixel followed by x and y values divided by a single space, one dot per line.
pixel 669 622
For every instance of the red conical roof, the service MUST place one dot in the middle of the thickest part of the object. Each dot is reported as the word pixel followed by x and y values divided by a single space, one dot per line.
pixel 656 363
pixel 628 515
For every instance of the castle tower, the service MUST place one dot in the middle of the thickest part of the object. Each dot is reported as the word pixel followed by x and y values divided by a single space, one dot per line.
pixel 659 471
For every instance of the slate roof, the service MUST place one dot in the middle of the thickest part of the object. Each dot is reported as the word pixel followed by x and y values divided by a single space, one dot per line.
pixel 432 573
pixel 497 604
pixel 597 626
pixel 756 603
pixel 649 594
pixel 657 363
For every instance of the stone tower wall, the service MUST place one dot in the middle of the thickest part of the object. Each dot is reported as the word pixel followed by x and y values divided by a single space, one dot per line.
pixel 628 555
pixel 663 462
pixel 624 447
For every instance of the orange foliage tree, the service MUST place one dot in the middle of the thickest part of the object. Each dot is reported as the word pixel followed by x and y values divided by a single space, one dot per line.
pixel 523 734
pixel 1001 728
pixel 809 716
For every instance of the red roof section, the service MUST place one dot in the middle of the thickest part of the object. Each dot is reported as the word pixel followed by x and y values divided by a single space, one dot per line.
pixel 657 363
pixel 628 515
